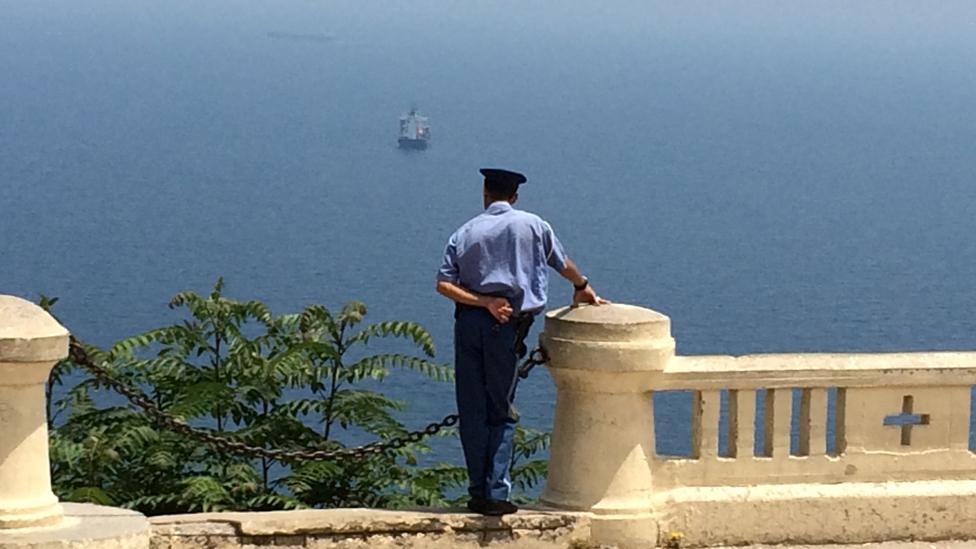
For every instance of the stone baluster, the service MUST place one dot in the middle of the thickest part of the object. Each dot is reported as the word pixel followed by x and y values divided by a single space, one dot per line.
pixel 31 343
pixel 602 360
pixel 781 415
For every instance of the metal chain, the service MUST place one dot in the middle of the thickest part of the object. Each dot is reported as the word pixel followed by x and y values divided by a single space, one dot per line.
pixel 536 357
pixel 80 356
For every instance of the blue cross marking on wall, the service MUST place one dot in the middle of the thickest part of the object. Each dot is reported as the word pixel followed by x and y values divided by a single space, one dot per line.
pixel 906 420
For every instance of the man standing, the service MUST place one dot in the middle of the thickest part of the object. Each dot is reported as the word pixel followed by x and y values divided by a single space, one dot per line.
pixel 495 270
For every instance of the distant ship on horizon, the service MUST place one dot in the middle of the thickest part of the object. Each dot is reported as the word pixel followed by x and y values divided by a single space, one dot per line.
pixel 414 131
pixel 317 37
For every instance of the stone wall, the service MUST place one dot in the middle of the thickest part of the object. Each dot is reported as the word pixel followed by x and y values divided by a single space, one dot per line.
pixel 373 528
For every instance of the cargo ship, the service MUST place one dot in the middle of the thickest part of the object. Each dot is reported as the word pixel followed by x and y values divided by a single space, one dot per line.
pixel 414 131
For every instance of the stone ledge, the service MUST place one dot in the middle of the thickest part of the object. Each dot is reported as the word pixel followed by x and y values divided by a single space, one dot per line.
pixel 354 528
pixel 528 529
pixel 85 526
pixel 819 514
pixel 953 544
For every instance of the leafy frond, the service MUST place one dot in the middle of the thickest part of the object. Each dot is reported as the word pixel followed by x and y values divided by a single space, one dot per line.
pixel 368 410
pixel 218 288
pixel 397 328
pixel 352 314
pixel 530 474
pixel 316 318
pixel 200 399
pixel 169 334
pixel 427 486
pixel 253 309
pixel 375 367
pixel 274 501
pixel 304 406
pixel 137 439
pixel 192 300
pixel 287 322
pixel 529 442
pixel 90 494
pixel 204 494
pixel 320 350
pixel 47 302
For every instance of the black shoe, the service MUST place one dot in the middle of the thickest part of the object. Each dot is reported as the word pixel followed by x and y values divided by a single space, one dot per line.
pixel 499 507
pixel 477 505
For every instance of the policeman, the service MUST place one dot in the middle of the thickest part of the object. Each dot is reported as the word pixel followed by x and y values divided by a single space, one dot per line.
pixel 495 270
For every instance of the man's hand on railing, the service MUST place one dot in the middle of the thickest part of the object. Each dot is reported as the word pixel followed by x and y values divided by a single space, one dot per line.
pixel 587 295
pixel 583 291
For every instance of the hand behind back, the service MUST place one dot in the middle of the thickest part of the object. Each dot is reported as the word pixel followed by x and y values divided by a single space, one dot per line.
pixel 500 308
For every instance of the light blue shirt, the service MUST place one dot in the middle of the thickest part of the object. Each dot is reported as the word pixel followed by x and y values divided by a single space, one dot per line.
pixel 504 252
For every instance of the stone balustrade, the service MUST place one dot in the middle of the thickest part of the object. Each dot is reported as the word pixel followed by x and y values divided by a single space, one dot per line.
pixel 785 448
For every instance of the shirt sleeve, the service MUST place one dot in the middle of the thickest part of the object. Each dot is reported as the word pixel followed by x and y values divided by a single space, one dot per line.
pixel 449 265
pixel 555 255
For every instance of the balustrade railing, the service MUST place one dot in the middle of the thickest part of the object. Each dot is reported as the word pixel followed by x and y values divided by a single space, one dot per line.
pixel 822 418
pixel 784 448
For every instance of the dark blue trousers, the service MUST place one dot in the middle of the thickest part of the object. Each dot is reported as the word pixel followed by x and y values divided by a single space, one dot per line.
pixel 485 377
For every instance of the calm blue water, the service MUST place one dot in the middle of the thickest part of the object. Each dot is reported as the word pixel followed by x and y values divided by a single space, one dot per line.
pixel 774 179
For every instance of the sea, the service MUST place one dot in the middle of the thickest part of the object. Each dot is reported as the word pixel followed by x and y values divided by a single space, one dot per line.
pixel 774 177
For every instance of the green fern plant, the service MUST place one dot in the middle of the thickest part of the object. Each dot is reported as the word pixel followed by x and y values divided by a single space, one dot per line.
pixel 307 380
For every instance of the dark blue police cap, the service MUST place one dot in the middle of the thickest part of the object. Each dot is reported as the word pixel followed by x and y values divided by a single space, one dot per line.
pixel 502 177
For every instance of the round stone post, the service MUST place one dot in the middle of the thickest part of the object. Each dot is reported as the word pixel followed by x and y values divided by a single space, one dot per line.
pixel 602 360
pixel 31 343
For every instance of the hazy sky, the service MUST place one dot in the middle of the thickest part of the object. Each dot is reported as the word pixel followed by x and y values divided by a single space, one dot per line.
pixel 896 23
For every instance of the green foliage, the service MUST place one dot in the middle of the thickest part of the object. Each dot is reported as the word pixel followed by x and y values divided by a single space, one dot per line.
pixel 528 472
pixel 292 381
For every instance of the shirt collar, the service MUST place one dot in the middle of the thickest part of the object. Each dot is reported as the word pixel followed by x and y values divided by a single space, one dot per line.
pixel 498 207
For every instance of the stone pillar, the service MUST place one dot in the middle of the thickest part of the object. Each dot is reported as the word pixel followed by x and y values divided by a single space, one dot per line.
pixel 602 360
pixel 31 343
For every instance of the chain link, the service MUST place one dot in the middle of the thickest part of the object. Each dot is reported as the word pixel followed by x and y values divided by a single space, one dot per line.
pixel 536 357
pixel 79 355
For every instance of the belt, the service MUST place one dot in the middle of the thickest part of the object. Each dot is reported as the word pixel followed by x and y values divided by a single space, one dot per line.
pixel 458 307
